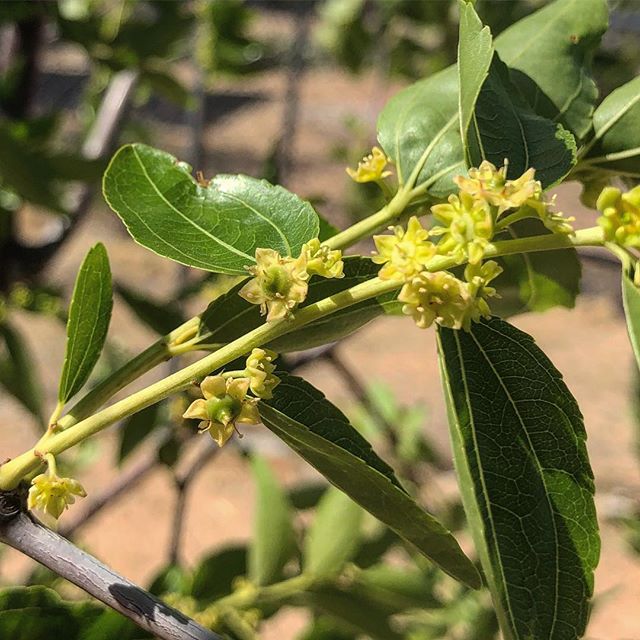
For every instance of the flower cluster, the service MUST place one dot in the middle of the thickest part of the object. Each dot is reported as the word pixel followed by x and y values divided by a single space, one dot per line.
pixel 226 402
pixel 442 298
pixel 280 284
pixel 620 217
pixel 489 186
pixel 439 296
pixel 52 494
pixel 405 253
pixel 372 168
pixel 467 230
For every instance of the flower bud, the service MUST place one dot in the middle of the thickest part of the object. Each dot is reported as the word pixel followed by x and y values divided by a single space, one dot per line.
pixel 620 218
pixel 322 261
pixel 259 370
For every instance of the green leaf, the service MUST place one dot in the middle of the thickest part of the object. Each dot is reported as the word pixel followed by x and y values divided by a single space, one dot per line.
pixel 536 281
pixel 355 611
pixel 18 373
pixel 631 302
pixel 475 52
pixel 135 429
pixel 496 123
pixel 334 535
pixel 216 227
pixel 273 541
pixel 549 54
pixel 160 317
pixel 305 420
pixel 616 124
pixel 525 478
pixel 215 575
pixel 422 120
pixel 505 126
pixel 89 315
pixel 230 316
pixel 38 613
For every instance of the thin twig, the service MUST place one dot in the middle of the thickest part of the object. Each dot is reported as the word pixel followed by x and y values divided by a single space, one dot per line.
pixel 183 483
pixel 61 556
pixel 124 483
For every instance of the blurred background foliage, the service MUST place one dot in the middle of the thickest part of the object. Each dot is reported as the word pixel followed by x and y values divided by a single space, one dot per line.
pixel 57 131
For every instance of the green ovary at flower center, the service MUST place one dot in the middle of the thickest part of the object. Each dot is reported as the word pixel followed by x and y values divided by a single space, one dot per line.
pixel 223 409
pixel 276 281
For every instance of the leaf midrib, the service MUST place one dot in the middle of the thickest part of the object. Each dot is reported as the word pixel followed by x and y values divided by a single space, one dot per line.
pixel 182 215
pixel 537 463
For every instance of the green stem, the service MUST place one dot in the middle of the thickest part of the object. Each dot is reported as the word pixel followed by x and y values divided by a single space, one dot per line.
pixel 378 220
pixel 252 596
pixel 56 442
pixel 158 352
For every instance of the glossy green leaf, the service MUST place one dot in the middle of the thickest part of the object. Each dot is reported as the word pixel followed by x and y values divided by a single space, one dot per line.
pixel 421 122
pixel 216 227
pixel 18 373
pixel 496 123
pixel 526 483
pixel 550 53
pixel 159 317
pixel 135 429
pixel 89 315
pixel 334 535
pixel 230 316
pixel 536 281
pixel 475 52
pixel 616 124
pixel 504 126
pixel 305 420
pixel 215 575
pixel 631 302
pixel 273 541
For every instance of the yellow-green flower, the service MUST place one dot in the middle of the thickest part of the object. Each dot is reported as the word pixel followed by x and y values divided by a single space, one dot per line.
pixel 467 230
pixel 225 405
pixel 405 253
pixel 279 284
pixel 322 261
pixel 489 184
pixel 50 493
pixel 620 217
pixel 371 168
pixel 435 297
pixel 259 371
pixel 478 277
pixel 552 220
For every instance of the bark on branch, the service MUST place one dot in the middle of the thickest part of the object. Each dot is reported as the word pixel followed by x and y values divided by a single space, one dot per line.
pixel 20 531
